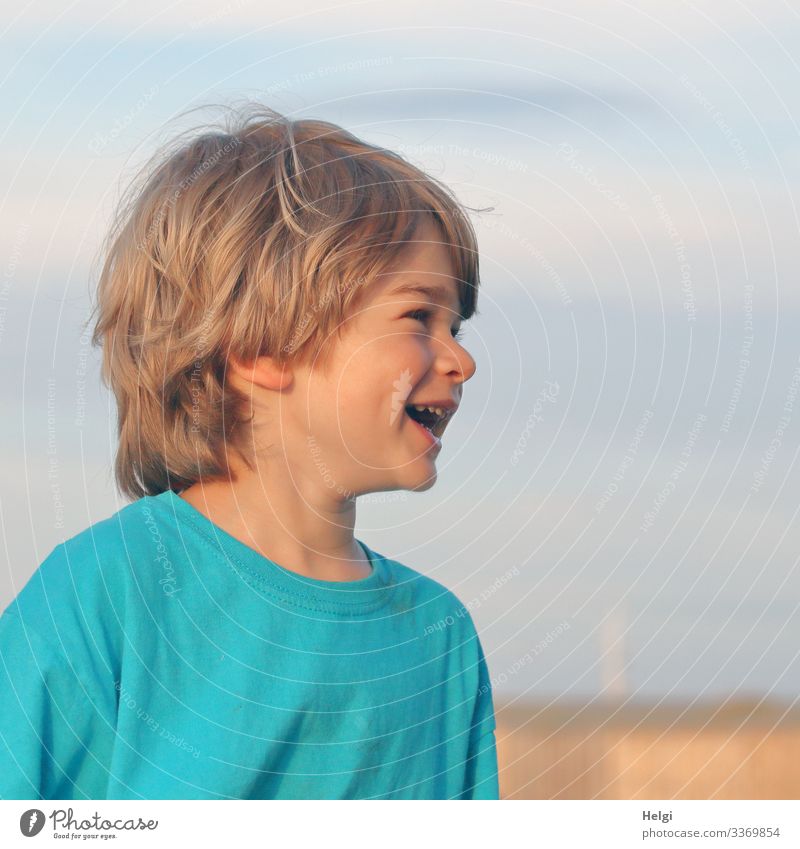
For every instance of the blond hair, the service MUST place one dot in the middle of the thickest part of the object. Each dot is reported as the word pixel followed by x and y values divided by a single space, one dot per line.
pixel 253 238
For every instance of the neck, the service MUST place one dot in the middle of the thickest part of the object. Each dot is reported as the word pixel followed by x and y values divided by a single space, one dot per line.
pixel 291 520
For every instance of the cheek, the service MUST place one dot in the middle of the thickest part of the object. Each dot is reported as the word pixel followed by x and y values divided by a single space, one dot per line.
pixel 396 365
pixel 408 351
pixel 373 387
pixel 368 380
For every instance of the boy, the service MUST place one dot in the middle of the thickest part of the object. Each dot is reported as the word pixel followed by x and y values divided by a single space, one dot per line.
pixel 278 310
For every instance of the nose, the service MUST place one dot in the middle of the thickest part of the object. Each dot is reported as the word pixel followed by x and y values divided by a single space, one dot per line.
pixel 453 360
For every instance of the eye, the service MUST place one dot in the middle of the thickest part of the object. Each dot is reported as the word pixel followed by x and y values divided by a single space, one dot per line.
pixel 424 315
pixel 419 315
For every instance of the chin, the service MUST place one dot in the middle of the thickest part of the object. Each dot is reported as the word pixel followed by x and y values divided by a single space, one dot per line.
pixel 425 484
pixel 417 476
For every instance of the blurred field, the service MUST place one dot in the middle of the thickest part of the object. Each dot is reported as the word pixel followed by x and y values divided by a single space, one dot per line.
pixel 738 750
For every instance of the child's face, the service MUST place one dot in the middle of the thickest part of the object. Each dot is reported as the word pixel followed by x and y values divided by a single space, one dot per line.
pixel 397 349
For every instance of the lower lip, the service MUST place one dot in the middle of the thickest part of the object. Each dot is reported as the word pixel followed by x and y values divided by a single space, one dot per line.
pixel 433 440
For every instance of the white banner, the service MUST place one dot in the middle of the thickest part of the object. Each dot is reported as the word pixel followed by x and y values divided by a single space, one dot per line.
pixel 425 824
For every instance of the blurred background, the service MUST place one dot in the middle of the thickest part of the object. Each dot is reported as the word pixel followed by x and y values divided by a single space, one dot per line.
pixel 618 498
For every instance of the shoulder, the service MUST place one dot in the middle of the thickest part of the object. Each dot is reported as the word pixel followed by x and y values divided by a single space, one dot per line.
pixel 78 596
pixel 437 607
pixel 91 561
pixel 444 625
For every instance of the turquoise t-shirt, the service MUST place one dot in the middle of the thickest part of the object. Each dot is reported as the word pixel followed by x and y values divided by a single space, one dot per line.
pixel 155 656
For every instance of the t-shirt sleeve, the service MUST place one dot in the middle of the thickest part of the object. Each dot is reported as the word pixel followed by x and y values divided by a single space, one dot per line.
pixel 49 731
pixel 481 780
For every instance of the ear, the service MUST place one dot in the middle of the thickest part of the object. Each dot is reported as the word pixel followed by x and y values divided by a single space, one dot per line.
pixel 265 372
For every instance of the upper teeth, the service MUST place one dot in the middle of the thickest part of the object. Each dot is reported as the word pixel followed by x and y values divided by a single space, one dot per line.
pixel 438 410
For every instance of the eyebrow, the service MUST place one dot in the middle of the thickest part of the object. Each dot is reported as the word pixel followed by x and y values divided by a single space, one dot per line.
pixel 435 294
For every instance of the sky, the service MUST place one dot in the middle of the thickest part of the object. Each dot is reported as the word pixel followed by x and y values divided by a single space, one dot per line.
pixel 618 495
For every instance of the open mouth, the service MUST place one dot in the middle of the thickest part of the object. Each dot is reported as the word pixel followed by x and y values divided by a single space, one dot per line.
pixel 434 419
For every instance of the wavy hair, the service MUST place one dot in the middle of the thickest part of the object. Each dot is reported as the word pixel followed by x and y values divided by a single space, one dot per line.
pixel 248 238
